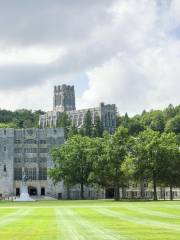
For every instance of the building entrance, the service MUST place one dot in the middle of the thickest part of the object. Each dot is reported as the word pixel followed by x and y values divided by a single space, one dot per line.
pixel 32 191
pixel 42 191
pixel 17 191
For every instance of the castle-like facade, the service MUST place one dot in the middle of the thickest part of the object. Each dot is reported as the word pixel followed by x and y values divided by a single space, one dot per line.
pixel 28 151
pixel 64 101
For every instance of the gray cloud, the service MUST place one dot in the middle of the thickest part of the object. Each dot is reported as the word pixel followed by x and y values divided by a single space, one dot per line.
pixel 113 42
pixel 49 22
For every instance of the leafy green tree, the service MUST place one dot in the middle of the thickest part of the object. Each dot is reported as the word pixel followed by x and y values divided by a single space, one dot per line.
pixel 88 126
pixel 157 121
pixel 64 122
pixel 72 162
pixel 99 155
pixel 134 166
pixel 73 131
pixel 98 127
pixel 117 151
pixel 169 112
pixel 173 125
pixel 170 161
pixel 147 157
pixel 7 125
pixel 108 158
pixel 135 126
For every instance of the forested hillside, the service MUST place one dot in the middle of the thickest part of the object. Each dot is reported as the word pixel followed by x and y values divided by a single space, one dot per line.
pixel 19 119
pixel 167 120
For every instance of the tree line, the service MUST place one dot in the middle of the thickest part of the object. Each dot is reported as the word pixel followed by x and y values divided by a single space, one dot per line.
pixel 144 149
pixel 22 118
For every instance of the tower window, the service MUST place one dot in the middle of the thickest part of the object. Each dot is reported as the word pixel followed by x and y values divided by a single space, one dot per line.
pixel 4 167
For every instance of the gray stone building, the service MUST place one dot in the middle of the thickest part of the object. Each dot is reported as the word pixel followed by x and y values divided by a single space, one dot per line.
pixel 64 100
pixel 27 150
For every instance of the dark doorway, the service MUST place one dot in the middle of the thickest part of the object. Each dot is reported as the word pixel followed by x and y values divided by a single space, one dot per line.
pixel 32 191
pixel 42 191
pixel 59 196
pixel 110 193
pixel 17 191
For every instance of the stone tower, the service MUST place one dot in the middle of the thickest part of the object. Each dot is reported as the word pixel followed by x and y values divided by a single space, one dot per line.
pixel 64 98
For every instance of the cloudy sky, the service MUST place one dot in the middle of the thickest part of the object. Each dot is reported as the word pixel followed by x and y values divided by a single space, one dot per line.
pixel 116 51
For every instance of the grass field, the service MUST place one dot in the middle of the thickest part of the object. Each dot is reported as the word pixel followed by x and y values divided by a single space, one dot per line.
pixel 90 220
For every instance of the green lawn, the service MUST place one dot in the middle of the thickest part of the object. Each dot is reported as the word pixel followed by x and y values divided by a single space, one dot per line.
pixel 90 220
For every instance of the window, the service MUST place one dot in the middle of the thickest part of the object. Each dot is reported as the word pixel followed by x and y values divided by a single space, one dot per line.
pixel 4 131
pixel 17 160
pixel 31 173
pixel 43 160
pixel 30 150
pixel 18 173
pixel 42 173
pixel 43 150
pixel 42 141
pixel 17 141
pixel 18 150
pixel 4 167
pixel 30 160
pixel 4 148
pixel 30 141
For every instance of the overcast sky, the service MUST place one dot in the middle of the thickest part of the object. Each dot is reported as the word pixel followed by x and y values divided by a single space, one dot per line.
pixel 116 51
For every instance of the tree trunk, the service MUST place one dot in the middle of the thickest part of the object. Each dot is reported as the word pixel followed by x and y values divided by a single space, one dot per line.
pixel 68 192
pixel 171 192
pixel 142 190
pixel 82 190
pixel 164 193
pixel 116 192
pixel 155 190
pixel 123 192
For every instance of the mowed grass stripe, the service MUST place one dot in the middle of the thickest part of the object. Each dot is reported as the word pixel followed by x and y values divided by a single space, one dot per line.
pixel 147 217
pixel 5 212
pixel 163 213
pixel 75 227
pixel 133 228
pixel 103 223
pixel 13 217
pixel 37 224
pixel 140 220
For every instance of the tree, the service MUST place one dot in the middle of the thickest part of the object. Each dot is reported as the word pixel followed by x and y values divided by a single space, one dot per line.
pixel 157 121
pixel 135 126
pixel 100 163
pixel 64 122
pixel 173 125
pixel 147 157
pixel 98 127
pixel 134 166
pixel 170 161
pixel 72 131
pixel 108 158
pixel 87 126
pixel 169 112
pixel 72 162
pixel 117 151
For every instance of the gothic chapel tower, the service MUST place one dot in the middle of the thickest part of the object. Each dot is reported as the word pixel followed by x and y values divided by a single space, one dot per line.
pixel 64 98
